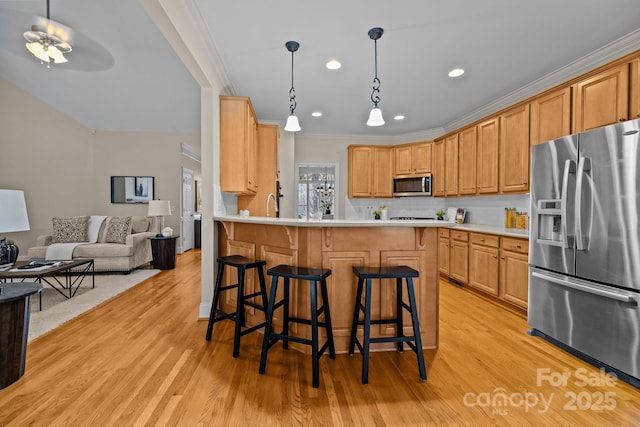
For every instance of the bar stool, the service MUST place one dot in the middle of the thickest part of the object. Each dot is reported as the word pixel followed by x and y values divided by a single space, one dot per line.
pixel 414 341
pixel 314 275
pixel 242 264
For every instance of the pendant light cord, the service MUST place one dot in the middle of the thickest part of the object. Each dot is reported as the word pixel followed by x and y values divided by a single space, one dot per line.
pixel 292 91
pixel 375 98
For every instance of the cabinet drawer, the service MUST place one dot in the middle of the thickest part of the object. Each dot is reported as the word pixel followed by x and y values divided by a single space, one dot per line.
pixel 485 240
pixel 515 245
pixel 443 232
pixel 462 236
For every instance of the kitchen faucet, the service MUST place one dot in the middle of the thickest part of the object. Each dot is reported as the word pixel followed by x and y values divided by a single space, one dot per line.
pixel 275 203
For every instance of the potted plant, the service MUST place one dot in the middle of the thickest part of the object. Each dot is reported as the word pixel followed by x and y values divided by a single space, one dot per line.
pixel 384 211
pixel 376 214
pixel 440 214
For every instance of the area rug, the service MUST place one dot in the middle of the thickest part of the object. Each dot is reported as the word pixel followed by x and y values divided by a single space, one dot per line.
pixel 58 310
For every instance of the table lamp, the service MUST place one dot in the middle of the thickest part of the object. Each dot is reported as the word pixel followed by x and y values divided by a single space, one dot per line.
pixel 13 217
pixel 159 208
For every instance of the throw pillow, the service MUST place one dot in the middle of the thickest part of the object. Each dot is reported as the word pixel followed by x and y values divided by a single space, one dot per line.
pixel 118 229
pixel 70 230
pixel 139 224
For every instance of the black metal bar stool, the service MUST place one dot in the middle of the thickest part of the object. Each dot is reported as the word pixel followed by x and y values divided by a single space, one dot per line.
pixel 242 264
pixel 414 342
pixel 314 275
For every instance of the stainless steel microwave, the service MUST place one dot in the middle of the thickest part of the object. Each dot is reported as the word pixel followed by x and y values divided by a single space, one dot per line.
pixel 412 186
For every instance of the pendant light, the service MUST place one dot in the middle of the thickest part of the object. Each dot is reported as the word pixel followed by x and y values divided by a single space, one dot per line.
pixel 292 121
pixel 375 116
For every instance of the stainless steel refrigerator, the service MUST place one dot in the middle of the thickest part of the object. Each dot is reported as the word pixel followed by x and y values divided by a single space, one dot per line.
pixel 584 247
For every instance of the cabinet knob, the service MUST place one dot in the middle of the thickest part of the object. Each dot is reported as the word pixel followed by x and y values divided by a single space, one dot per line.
pixel 622 119
pixel 496 257
pixel 518 246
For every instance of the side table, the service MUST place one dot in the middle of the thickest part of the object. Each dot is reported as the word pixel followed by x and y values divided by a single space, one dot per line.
pixel 163 250
pixel 14 329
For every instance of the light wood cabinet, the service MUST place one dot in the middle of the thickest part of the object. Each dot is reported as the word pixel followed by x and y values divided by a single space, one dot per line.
pixel 601 99
pixel 487 164
pixel 634 101
pixel 514 271
pixel 238 146
pixel 514 150
pixel 459 256
pixel 370 171
pixel 412 159
pixel 437 176
pixel 451 165
pixel 268 148
pixel 551 116
pixel 484 265
pixel 467 159
pixel 443 251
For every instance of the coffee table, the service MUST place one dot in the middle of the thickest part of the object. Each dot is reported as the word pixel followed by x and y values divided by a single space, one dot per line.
pixel 73 273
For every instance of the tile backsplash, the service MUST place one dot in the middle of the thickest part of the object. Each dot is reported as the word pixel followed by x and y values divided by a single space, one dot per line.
pixel 485 210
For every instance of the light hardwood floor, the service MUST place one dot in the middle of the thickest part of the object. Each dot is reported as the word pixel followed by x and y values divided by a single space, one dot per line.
pixel 141 359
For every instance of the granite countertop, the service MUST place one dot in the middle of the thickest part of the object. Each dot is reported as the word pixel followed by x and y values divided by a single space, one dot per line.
pixel 489 229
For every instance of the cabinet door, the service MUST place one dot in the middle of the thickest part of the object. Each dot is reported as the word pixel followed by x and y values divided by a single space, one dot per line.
pixel 438 168
pixel 551 116
pixel 421 158
pixel 252 153
pixel 237 164
pixel 382 172
pixel 402 160
pixel 459 261
pixel 602 99
pixel 484 268
pixel 514 277
pixel 468 158
pixel 487 172
pixel 360 174
pixel 443 256
pixel 451 166
pixel 514 150
pixel 634 107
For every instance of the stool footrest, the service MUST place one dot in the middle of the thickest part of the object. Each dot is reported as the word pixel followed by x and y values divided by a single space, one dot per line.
pixel 255 305
pixel 392 339
pixel 251 329
pixel 226 288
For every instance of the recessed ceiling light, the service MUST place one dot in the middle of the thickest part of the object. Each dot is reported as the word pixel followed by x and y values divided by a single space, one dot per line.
pixel 316 114
pixel 456 72
pixel 398 117
pixel 334 64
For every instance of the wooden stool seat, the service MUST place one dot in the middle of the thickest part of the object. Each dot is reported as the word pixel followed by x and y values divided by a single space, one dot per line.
pixel 313 275
pixel 366 275
pixel 242 264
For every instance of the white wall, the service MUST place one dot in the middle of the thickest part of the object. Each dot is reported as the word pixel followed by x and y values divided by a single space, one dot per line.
pixel 65 169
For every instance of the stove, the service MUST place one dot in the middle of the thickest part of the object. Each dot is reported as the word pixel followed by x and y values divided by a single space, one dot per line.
pixel 411 218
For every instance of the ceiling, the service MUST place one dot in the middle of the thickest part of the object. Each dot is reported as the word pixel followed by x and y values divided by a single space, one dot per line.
pixel 124 75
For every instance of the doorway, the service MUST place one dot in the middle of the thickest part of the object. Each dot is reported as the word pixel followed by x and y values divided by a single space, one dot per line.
pixel 187 208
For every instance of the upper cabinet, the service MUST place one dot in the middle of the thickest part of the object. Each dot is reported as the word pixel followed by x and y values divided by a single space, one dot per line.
pixel 467 159
pixel 634 104
pixel 451 165
pixel 370 171
pixel 601 99
pixel 412 159
pixel 238 145
pixel 514 150
pixel 551 116
pixel 487 164
pixel 438 168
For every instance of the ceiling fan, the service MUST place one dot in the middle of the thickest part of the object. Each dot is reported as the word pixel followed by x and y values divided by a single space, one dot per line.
pixel 49 40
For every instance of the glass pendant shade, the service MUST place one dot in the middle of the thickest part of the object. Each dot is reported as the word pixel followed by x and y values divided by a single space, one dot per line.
pixel 38 51
pixel 375 117
pixel 292 124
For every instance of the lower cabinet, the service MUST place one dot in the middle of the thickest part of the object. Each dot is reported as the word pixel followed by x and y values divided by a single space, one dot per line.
pixel 497 266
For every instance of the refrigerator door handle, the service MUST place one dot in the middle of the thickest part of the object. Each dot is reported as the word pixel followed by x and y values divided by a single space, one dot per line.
pixel 569 167
pixel 584 165
pixel 581 285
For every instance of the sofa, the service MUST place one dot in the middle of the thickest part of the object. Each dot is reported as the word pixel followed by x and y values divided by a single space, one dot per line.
pixel 122 250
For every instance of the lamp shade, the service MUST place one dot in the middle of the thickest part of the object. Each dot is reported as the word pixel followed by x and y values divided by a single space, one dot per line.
pixel 13 211
pixel 292 124
pixel 159 208
pixel 375 117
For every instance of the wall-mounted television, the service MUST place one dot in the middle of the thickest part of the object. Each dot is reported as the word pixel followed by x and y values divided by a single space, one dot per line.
pixel 131 189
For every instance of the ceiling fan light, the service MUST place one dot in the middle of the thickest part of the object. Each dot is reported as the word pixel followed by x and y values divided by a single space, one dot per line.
pixel 56 55
pixel 38 51
pixel 292 124
pixel 375 117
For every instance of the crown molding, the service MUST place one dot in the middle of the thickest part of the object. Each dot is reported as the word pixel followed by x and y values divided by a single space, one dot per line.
pixel 607 53
pixel 189 151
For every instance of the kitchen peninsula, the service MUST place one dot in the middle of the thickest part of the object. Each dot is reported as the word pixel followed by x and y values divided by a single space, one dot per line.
pixel 339 245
